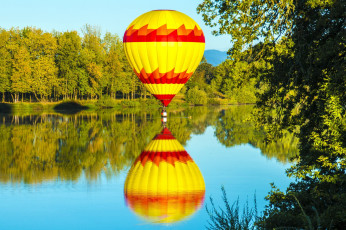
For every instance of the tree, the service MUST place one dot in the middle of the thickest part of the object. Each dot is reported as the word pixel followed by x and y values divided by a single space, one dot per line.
pixel 202 76
pixel 304 45
pixel 21 66
pixel 236 80
pixel 64 65
pixel 5 63
pixel 128 80
pixel 93 55
pixel 197 96
pixel 113 63
pixel 248 21
pixel 42 48
pixel 69 64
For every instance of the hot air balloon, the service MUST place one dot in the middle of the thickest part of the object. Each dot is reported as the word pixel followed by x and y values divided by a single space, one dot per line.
pixel 164 48
pixel 164 185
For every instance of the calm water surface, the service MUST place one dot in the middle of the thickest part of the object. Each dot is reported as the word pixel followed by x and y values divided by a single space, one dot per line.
pixel 121 170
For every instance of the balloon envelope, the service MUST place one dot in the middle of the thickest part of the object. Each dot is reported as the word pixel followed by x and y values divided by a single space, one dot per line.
pixel 164 185
pixel 164 48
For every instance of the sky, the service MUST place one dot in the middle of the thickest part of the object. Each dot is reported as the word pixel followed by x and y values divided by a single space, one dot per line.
pixel 111 16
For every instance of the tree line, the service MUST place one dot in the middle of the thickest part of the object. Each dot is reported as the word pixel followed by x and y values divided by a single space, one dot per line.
pixel 42 66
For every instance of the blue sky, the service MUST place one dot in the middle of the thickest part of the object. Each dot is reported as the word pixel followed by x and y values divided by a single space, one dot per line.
pixel 112 16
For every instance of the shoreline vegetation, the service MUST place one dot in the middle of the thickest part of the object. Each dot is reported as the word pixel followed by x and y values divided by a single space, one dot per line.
pixel 74 106
pixel 39 66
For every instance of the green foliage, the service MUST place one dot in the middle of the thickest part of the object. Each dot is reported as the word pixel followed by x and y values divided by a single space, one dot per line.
pixel 55 66
pixel 303 82
pixel 214 101
pixel 197 96
pixel 5 64
pixel 151 102
pixel 130 103
pixel 65 65
pixel 230 217
pixel 247 21
pixel 106 102
pixel 68 61
pixel 316 205
pixel 245 94
pixel 308 90
pixel 202 76
pixel 69 107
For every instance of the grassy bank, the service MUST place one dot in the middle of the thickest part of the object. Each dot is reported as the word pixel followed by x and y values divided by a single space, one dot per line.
pixel 73 106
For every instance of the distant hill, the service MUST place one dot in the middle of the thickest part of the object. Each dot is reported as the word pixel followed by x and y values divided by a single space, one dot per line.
pixel 215 57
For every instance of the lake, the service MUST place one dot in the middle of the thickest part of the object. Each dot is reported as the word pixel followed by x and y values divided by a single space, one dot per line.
pixel 124 170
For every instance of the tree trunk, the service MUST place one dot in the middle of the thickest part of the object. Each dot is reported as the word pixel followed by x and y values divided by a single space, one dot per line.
pixel 66 93
pixel 36 97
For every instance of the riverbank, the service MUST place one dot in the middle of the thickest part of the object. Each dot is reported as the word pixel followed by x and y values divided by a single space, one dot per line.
pixel 72 106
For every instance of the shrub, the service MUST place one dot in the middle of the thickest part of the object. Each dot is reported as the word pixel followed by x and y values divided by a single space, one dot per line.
pixel 69 107
pixel 150 102
pixel 214 101
pixel 130 103
pixel 106 102
pixel 196 96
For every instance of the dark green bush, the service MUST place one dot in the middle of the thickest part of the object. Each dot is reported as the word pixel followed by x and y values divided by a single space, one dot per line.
pixel 69 107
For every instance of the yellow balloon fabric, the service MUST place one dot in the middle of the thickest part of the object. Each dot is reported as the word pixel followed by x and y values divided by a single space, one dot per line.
pixel 164 48
pixel 164 185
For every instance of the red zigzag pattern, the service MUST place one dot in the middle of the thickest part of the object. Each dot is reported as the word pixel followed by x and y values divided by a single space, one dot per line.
pixel 162 34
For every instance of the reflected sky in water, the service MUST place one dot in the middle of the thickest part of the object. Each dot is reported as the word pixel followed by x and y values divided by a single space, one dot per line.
pixel 69 172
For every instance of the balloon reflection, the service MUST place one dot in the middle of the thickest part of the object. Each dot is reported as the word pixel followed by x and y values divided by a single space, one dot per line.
pixel 164 185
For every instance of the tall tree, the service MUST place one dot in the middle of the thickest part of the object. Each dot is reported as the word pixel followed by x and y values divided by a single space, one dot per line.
pixel 113 63
pixel 69 63
pixel 248 21
pixel 304 44
pixel 93 58
pixel 42 48
pixel 5 63
pixel 21 64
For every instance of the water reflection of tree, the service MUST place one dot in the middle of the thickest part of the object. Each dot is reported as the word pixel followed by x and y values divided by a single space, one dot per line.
pixel 194 120
pixel 63 147
pixel 234 127
pixel 35 148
